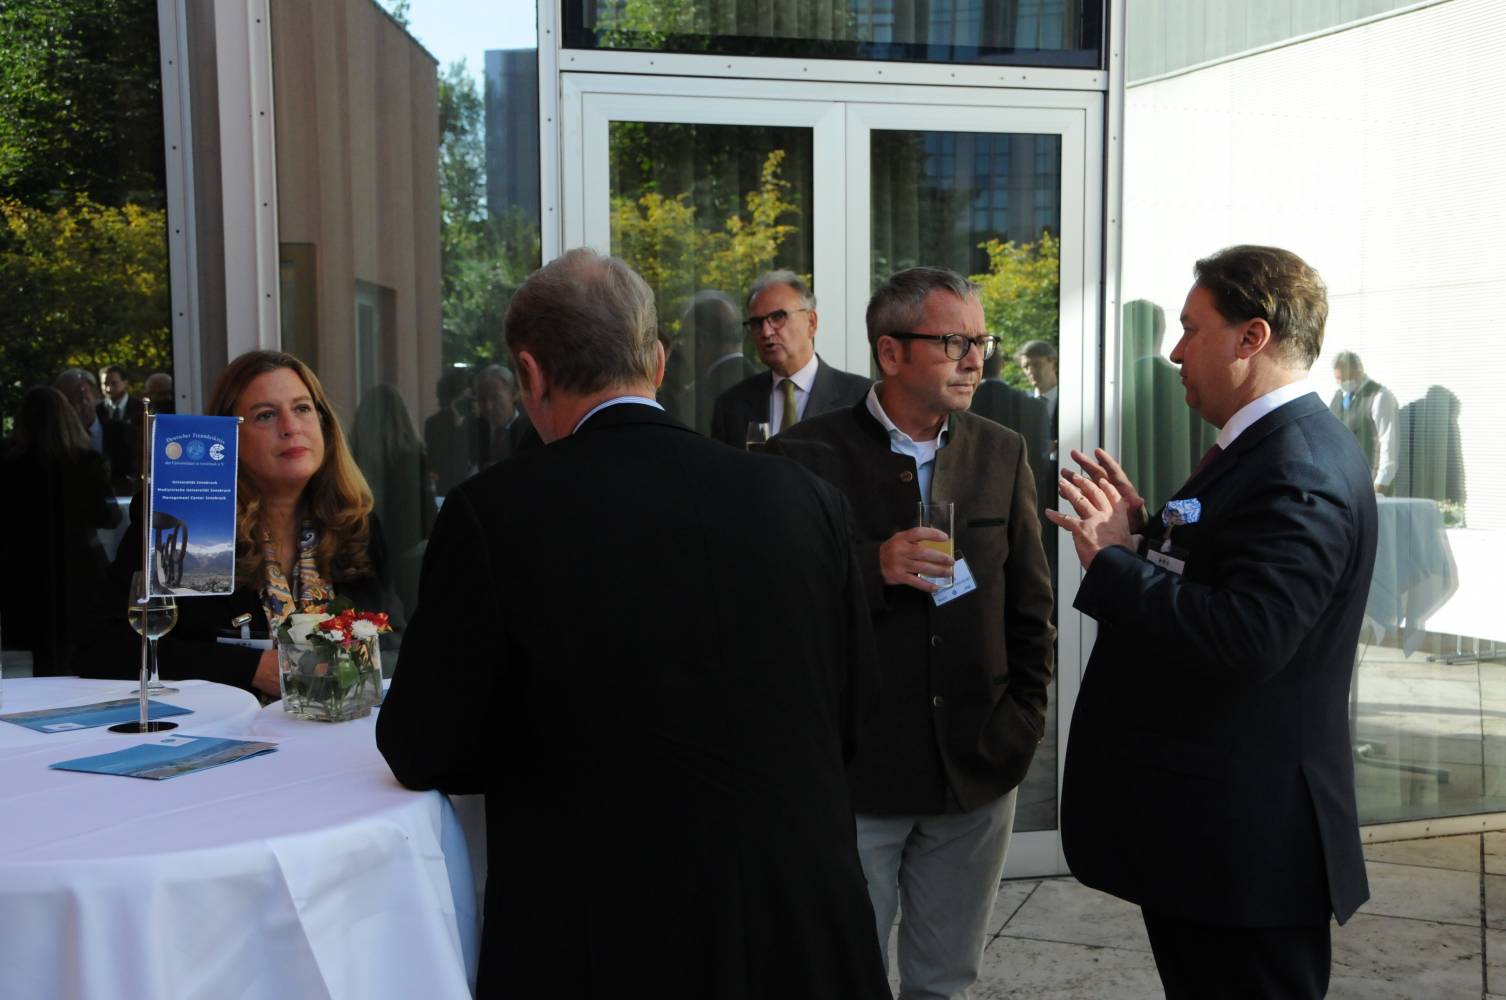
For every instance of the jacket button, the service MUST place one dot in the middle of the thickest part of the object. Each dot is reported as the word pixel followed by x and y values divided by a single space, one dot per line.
pixel 935 640
pixel 906 476
pixel 938 701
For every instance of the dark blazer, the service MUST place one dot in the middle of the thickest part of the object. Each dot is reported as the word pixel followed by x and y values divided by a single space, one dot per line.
pixel 962 686
pixel 719 378
pixel 190 651
pixel 133 411
pixel 54 566
pixel 748 401
pixel 1209 774
pixel 452 448
pixel 649 652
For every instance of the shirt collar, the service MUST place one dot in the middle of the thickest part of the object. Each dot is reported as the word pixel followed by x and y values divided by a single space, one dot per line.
pixel 1259 407
pixel 895 434
pixel 615 400
pixel 805 377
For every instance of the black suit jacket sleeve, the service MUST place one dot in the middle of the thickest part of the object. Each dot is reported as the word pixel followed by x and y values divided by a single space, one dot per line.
pixel 1278 564
pixel 431 737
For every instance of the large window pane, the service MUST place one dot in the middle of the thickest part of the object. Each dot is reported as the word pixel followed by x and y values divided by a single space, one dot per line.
pixel 700 211
pixel 408 213
pixel 1395 199
pixel 989 205
pixel 1009 32
pixel 83 286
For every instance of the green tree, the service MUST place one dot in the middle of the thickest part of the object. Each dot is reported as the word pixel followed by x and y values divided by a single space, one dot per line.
pixel 677 253
pixel 86 286
pixel 484 254
pixel 1021 295
pixel 80 102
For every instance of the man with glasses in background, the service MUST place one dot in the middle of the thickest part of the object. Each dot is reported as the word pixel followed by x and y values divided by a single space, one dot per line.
pixel 962 670
pixel 782 322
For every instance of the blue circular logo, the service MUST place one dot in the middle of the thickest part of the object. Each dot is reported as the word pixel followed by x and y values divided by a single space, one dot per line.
pixel 195 450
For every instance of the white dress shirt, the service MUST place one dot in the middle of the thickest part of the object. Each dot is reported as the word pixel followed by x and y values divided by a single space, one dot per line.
pixel 924 452
pixel 803 379
pixel 1259 407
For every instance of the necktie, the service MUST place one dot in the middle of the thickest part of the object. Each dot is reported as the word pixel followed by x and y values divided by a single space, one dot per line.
pixel 790 413
pixel 1205 461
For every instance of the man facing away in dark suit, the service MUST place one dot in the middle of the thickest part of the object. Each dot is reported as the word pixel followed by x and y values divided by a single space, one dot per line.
pixel 591 650
pixel 962 672
pixel 782 321
pixel 1209 775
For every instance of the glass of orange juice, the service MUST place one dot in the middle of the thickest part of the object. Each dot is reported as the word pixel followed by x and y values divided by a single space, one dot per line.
pixel 938 514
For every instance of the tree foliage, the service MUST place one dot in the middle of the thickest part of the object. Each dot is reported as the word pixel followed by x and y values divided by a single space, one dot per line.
pixel 1021 295
pixel 86 286
pixel 666 242
pixel 80 102
pixel 484 254
pixel 83 252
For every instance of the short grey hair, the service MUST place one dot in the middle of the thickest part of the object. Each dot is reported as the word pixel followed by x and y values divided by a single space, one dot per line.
pixel 499 373
pixel 1036 349
pixel 899 304
pixel 71 378
pixel 588 320
pixel 797 284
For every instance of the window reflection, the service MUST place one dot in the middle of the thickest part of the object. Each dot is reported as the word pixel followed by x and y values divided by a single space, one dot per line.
pixel 1009 32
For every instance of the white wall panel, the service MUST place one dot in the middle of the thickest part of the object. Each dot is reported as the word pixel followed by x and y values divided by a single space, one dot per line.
pixel 1376 153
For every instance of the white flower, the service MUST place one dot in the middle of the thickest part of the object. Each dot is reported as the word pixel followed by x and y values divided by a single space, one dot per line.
pixel 336 635
pixel 300 625
pixel 363 629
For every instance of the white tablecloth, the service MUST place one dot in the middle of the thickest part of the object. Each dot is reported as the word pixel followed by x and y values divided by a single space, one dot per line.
pixel 304 873
pixel 1414 569
pixel 217 708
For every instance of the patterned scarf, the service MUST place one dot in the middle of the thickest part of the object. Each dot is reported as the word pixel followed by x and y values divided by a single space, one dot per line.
pixel 277 595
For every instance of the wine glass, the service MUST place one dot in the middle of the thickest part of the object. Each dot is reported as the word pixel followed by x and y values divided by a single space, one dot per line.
pixel 758 435
pixel 152 616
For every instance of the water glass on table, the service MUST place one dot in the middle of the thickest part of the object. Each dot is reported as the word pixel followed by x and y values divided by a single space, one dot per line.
pixel 938 515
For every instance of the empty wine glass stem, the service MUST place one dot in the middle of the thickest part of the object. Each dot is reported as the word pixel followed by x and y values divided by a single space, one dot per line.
pixel 144 675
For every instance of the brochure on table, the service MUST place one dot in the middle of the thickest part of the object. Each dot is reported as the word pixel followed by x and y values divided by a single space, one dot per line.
pixel 168 757
pixel 191 505
pixel 71 718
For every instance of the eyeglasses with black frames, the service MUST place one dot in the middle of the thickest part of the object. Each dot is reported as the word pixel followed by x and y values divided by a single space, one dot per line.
pixel 777 319
pixel 956 344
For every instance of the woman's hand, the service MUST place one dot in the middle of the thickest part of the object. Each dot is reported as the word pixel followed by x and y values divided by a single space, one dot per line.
pixel 265 679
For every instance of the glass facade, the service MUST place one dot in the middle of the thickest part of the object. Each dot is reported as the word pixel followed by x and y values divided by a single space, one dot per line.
pixel 1378 169
pixel 403 233
pixel 1063 33
pixel 87 310
pixel 701 211
pixel 987 205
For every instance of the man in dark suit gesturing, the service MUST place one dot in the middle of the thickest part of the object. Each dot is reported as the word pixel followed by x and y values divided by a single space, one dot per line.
pixel 591 650
pixel 782 321
pixel 1209 775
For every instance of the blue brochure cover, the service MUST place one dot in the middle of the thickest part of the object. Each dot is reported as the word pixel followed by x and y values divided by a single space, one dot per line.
pixel 168 757
pixel 100 713
pixel 192 504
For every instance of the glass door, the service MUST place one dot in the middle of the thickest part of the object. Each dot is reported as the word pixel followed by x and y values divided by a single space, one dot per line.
pixel 846 183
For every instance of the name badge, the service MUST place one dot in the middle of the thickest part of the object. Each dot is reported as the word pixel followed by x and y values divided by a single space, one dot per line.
pixel 1167 560
pixel 232 637
pixel 962 583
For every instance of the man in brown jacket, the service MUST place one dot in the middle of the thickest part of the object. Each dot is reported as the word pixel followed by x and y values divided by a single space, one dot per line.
pixel 963 672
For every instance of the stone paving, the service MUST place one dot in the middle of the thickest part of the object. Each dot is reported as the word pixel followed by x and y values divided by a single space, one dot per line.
pixel 1434 929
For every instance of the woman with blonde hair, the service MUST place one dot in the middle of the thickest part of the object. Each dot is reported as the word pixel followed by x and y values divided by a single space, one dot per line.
pixel 305 532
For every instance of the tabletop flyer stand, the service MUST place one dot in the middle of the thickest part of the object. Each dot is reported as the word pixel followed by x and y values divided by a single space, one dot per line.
pixel 148 429
pixel 143 724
